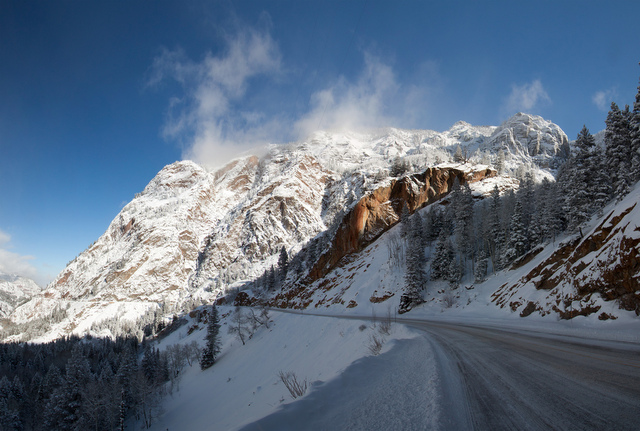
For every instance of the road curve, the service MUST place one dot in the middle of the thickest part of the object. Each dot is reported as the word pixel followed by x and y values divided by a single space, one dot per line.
pixel 502 380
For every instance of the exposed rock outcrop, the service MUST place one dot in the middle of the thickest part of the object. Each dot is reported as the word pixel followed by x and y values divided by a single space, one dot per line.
pixel 378 211
pixel 605 263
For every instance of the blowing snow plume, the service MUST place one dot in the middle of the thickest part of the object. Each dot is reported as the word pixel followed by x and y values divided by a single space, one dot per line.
pixel 216 118
pixel 209 119
pixel 353 106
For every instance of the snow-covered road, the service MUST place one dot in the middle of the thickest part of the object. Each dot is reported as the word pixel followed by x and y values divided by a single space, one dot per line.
pixel 469 377
pixel 529 381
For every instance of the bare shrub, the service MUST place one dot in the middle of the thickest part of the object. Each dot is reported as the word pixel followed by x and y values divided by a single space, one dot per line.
pixel 240 325
pixel 362 327
pixel 384 327
pixel 448 300
pixel 395 247
pixel 296 388
pixel 375 344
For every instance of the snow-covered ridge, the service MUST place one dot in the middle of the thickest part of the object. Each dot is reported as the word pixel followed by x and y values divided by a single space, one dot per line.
pixel 192 233
pixel 15 290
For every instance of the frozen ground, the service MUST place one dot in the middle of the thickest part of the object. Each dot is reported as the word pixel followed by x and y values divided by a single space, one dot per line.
pixel 431 375
pixel 243 385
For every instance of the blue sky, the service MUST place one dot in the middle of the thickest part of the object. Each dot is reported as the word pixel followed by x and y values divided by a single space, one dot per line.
pixel 96 97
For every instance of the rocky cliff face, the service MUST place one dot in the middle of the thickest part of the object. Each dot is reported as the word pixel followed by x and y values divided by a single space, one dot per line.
pixel 526 136
pixel 379 210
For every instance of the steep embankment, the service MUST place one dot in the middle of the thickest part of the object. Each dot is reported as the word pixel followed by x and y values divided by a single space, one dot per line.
pixel 585 272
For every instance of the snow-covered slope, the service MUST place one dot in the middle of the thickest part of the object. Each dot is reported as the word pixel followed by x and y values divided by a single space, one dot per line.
pixel 597 273
pixel 243 385
pixel 586 278
pixel 193 233
pixel 15 290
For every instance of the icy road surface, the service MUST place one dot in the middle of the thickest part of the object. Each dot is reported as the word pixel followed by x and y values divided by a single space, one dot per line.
pixel 460 377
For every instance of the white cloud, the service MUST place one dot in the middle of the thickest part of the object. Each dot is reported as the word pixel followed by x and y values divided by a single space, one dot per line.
pixel 352 106
pixel 4 238
pixel 602 99
pixel 207 118
pixel 14 263
pixel 213 122
pixel 526 97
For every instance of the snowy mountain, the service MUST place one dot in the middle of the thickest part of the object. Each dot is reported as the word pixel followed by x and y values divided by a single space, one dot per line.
pixel 192 234
pixel 14 291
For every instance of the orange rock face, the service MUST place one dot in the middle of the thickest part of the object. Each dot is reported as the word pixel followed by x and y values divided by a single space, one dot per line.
pixel 380 210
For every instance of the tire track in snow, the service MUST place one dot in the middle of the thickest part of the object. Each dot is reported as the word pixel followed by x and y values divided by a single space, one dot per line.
pixel 518 381
pixel 397 390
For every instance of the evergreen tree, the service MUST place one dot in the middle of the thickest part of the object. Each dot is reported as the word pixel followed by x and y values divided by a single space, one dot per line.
pixel 454 272
pixel 212 341
pixel 500 162
pixel 618 150
pixel 65 407
pixel 517 242
pixel 414 274
pixel 526 195
pixel 494 229
pixel 480 271
pixel 634 125
pixel 442 256
pixel 399 167
pixel 600 181
pixel 578 180
pixel 271 279
pixel 462 207
pixel 283 264
pixel 458 157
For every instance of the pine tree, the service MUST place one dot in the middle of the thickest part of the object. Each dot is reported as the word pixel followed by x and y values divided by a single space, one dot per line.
pixel 399 167
pixel 517 242
pixel 414 274
pixel 480 271
pixel 600 181
pixel 212 342
pixel 65 407
pixel 526 195
pixel 442 256
pixel 494 229
pixel 634 125
pixel 454 272
pixel 271 279
pixel 458 157
pixel 462 207
pixel 618 155
pixel 283 264
pixel 500 162
pixel 578 180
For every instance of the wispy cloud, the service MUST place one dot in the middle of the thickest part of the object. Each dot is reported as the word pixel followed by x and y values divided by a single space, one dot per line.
pixel 355 105
pixel 14 263
pixel 214 124
pixel 207 118
pixel 602 99
pixel 526 97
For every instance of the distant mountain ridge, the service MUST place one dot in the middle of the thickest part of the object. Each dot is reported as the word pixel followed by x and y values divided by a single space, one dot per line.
pixel 192 234
pixel 14 291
